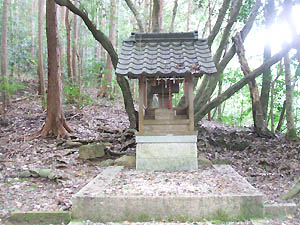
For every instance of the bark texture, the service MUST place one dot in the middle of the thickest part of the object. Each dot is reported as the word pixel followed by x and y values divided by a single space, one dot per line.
pixel 55 121
pixel 258 118
pixel 40 69
pixel 6 97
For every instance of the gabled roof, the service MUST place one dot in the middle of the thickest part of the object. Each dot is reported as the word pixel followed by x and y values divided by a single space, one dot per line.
pixel 165 55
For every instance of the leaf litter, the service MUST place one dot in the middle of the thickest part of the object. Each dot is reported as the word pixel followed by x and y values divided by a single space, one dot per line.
pixel 270 165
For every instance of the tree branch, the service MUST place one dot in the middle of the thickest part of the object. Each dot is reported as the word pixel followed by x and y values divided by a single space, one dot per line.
pixel 240 84
pixel 136 15
pixel 98 34
pixel 232 19
pixel 218 24
pixel 106 43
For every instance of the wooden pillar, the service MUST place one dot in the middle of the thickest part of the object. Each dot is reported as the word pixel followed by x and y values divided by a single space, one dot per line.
pixel 190 100
pixel 142 89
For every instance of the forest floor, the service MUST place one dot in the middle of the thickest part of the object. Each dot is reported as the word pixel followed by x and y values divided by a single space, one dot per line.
pixel 271 165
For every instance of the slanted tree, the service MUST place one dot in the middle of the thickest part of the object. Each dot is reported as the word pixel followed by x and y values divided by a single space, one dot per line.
pixel 40 68
pixel 257 111
pixel 55 121
pixel 6 97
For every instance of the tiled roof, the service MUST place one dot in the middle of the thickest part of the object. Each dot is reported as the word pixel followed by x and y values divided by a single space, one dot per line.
pixel 165 55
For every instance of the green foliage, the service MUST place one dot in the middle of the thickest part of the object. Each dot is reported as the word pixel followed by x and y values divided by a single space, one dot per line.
pixel 73 95
pixel 245 10
pixel 12 85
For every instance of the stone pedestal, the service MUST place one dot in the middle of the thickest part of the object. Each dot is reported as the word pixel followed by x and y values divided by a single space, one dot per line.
pixel 172 153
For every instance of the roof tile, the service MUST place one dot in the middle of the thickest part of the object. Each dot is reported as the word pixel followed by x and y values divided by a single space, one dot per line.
pixel 165 55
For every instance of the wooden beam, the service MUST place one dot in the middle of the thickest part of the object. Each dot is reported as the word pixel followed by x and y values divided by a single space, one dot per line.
pixel 190 100
pixel 141 103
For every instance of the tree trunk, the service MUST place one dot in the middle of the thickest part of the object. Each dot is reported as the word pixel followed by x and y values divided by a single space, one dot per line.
pixel 6 97
pixel 136 15
pixel 74 49
pixel 269 14
pixel 150 16
pixel 281 118
pixel 259 122
pixel 174 11
pixel 40 69
pixel 240 84
pixel 106 43
pixel 107 83
pixel 31 11
pixel 155 16
pixel 188 16
pixel 272 98
pixel 291 133
pixel 69 52
pixel 161 2
pixel 55 121
pixel 62 46
pixel 209 83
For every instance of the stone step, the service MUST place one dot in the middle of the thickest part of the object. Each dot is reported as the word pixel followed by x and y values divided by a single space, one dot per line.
pixel 119 194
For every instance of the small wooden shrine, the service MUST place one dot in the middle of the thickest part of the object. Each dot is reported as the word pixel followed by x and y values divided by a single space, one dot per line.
pixel 165 64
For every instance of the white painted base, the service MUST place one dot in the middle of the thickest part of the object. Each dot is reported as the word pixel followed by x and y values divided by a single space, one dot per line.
pixel 170 153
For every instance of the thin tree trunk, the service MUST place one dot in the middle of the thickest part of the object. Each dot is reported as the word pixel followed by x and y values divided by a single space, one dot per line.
pixel 55 121
pixel 188 16
pixel 69 50
pixel 6 97
pixel 272 98
pixel 40 68
pixel 106 43
pixel 74 48
pixel 281 117
pixel 269 14
pixel 62 46
pixel 32 29
pixel 150 16
pixel 146 19
pixel 174 11
pixel 155 16
pixel 241 83
pixel 107 84
pixel 161 2
pixel 136 14
pixel 291 133
pixel 220 106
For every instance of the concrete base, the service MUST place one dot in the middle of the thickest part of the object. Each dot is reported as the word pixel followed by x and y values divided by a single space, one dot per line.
pixel 171 153
pixel 95 203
